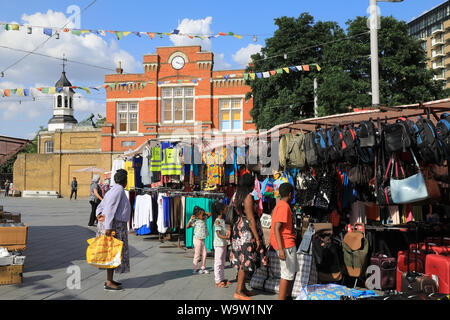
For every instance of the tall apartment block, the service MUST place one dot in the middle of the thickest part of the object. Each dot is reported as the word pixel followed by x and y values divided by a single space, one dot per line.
pixel 433 29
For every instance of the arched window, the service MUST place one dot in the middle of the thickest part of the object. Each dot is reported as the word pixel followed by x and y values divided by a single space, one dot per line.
pixel 66 103
pixel 59 101
pixel 70 102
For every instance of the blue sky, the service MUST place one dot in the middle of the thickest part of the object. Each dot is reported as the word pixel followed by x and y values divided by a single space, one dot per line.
pixel 241 17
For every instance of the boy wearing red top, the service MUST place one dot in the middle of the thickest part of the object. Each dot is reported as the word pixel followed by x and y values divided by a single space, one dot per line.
pixel 282 239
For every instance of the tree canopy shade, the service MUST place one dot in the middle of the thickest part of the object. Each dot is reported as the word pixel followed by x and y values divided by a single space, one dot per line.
pixel 344 80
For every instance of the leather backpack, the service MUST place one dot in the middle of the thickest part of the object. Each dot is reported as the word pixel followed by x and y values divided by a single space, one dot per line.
pixel 429 147
pixel 284 141
pixel 295 151
pixel 334 137
pixel 322 145
pixel 366 134
pixel 311 152
pixel 355 248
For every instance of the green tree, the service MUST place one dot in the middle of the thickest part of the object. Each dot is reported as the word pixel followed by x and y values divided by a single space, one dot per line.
pixel 287 97
pixel 404 78
pixel 345 76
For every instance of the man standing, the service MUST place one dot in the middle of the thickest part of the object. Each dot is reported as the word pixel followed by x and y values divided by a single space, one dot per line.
pixel 74 186
pixel 6 187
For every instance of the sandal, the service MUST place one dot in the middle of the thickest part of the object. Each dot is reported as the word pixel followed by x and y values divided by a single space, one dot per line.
pixel 221 285
pixel 238 296
pixel 226 282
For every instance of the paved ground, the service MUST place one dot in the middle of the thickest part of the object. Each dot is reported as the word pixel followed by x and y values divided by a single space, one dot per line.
pixel 57 240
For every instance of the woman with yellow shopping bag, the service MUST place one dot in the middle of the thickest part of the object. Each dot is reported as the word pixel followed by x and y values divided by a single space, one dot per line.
pixel 113 214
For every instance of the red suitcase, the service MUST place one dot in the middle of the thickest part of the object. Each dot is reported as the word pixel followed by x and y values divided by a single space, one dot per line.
pixel 402 266
pixel 432 248
pixel 438 265
pixel 441 241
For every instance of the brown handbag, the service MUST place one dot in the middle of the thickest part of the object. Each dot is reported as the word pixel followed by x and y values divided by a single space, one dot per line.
pixel 441 173
pixel 434 192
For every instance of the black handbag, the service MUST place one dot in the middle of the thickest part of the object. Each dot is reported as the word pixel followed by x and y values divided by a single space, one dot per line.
pixel 384 197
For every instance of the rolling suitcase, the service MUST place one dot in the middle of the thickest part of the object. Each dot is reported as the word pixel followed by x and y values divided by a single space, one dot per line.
pixel 441 241
pixel 438 265
pixel 429 247
pixel 413 282
pixel 403 267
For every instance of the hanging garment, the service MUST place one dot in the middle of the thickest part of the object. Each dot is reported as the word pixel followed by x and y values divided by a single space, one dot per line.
pixel 160 222
pixel 143 212
pixel 394 214
pixel 166 210
pixel 358 213
pixel 117 164
pixel 145 169
pixel 183 213
pixel 417 213
pixel 257 196
pixel 214 161
pixel 130 176
pixel 205 204
pixel 171 162
pixel 155 159
pixel 137 165
pixel 372 211
pixel 409 213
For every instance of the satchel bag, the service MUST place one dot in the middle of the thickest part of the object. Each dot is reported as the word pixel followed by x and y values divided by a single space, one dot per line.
pixel 434 192
pixel 411 189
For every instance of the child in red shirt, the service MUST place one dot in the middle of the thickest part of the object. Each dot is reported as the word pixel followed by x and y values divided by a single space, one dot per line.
pixel 282 239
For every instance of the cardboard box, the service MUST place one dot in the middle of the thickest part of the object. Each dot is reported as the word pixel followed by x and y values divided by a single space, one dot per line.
pixel 11 274
pixel 13 237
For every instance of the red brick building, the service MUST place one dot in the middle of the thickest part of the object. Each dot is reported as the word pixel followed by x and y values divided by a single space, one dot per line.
pixel 178 91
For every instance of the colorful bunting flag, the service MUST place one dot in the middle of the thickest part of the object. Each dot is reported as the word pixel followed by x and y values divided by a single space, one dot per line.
pixel 48 32
pixel 15 27
pixel 6 92
pixel 76 32
pixel 119 35
pixel 299 68
pixel 266 74
pixel 305 67
pixel 259 75
pixel 286 70
pixel 273 72
pixel 279 71
pixel 318 67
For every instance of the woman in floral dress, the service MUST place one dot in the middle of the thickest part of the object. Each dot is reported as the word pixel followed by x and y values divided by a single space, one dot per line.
pixel 247 240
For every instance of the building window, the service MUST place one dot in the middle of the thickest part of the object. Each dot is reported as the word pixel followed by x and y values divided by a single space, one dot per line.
pixel 230 113
pixel 65 102
pixel 59 101
pixel 49 147
pixel 177 104
pixel 127 117
pixel 70 102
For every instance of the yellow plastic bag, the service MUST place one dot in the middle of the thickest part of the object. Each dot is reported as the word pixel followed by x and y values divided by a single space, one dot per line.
pixel 104 252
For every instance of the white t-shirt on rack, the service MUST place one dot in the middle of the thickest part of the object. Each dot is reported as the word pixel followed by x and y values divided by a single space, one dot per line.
pixel 143 212
pixel 160 221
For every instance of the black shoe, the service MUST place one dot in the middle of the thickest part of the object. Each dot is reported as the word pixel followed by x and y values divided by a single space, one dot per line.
pixel 108 288
pixel 116 283
pixel 90 225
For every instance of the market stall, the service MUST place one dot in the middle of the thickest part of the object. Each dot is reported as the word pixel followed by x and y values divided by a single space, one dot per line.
pixel 368 185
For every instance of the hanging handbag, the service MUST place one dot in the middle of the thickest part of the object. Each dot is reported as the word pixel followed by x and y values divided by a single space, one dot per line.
pixel 434 192
pixel 411 189
pixel 384 196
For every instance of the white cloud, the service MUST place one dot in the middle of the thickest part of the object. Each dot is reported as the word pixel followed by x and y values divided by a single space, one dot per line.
pixel 39 71
pixel 242 56
pixel 193 27
pixel 220 63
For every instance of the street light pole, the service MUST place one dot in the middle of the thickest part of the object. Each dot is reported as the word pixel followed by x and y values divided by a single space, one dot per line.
pixel 374 53
pixel 374 50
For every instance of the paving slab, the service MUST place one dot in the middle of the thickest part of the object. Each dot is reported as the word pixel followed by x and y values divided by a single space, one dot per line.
pixel 57 240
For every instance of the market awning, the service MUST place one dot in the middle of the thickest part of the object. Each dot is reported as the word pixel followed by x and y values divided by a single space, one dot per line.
pixel 389 114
